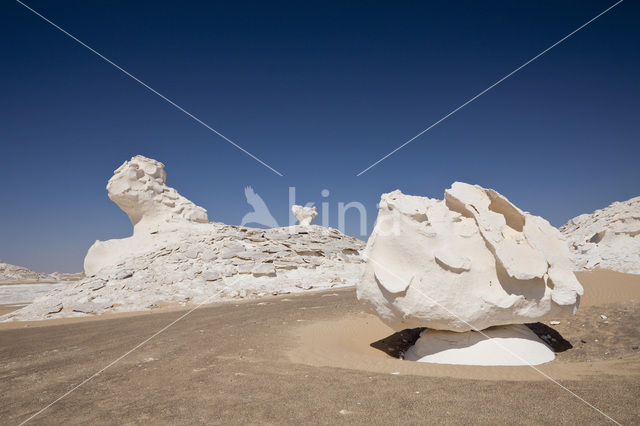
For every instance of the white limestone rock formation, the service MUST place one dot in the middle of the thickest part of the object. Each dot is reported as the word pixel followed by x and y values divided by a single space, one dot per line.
pixel 606 239
pixel 175 257
pixel 305 215
pixel 10 274
pixel 470 261
pixel 138 188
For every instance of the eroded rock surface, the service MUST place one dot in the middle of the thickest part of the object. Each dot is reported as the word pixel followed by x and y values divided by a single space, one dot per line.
pixel 305 215
pixel 19 274
pixel 470 261
pixel 608 238
pixel 138 188
pixel 175 257
pixel 14 273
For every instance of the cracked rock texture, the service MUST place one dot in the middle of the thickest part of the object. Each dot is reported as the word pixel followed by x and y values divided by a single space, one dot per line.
pixel 175 256
pixel 608 238
pixel 470 261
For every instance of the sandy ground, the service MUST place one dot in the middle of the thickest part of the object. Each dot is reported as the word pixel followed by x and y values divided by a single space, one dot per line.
pixel 5 308
pixel 313 358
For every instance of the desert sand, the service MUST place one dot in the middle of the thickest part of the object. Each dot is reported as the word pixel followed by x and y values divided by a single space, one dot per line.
pixel 314 358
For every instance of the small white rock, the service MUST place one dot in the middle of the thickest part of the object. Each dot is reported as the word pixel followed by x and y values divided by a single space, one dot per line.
pixel 210 275
pixel 264 269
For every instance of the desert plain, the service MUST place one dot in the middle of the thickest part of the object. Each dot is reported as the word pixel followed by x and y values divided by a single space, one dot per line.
pixel 314 357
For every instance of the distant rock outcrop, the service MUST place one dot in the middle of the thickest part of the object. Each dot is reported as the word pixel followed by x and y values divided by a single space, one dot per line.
pixel 470 261
pixel 175 256
pixel 64 276
pixel 18 274
pixel 606 239
pixel 13 273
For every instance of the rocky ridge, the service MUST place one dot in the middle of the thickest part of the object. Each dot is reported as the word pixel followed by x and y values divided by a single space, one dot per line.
pixel 608 238
pixel 175 256
pixel 212 263
pixel 19 274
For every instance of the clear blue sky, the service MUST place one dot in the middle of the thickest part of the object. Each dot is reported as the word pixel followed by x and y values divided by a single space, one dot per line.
pixel 318 90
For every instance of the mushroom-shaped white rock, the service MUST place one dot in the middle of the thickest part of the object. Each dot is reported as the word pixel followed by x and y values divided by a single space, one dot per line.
pixel 305 215
pixel 470 261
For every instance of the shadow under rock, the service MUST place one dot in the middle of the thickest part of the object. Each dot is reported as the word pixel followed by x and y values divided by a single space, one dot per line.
pixel 550 336
pixel 398 343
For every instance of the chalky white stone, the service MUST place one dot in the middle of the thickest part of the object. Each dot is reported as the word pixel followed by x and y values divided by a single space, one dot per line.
pixel 138 188
pixel 608 238
pixel 501 345
pixel 470 261
pixel 19 274
pixel 175 256
pixel 305 215
pixel 14 273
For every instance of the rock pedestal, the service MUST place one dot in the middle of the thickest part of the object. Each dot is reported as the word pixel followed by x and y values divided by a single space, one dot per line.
pixel 305 215
pixel 468 262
